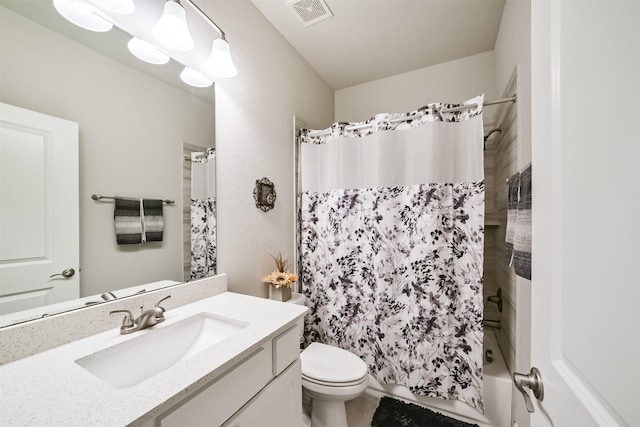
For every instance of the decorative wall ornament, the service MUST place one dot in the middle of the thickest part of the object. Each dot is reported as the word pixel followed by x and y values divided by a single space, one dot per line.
pixel 264 194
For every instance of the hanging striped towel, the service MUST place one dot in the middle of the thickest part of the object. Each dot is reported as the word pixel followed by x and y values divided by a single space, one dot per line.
pixel 153 220
pixel 512 215
pixel 128 223
pixel 522 238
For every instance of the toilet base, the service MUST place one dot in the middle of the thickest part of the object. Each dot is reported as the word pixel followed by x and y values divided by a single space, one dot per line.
pixel 328 413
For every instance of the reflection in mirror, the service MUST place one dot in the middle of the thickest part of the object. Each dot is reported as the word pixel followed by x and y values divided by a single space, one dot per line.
pixel 38 209
pixel 131 125
pixel 199 194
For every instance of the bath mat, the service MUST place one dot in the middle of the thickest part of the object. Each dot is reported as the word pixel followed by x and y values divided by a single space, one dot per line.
pixel 395 413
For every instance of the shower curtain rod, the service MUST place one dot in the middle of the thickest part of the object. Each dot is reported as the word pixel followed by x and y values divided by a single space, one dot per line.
pixel 415 116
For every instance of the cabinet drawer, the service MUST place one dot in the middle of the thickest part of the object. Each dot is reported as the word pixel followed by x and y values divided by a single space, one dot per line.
pixel 286 348
pixel 215 403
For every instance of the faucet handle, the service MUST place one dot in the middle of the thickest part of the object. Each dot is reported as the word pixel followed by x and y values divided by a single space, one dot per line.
pixel 163 299
pixel 128 321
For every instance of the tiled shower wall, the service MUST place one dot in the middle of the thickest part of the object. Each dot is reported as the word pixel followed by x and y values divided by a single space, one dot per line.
pixel 500 164
pixel 491 222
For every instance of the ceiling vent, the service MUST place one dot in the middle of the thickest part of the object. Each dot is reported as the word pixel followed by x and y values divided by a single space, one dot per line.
pixel 310 11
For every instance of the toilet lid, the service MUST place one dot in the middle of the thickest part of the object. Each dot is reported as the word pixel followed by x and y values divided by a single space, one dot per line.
pixel 331 364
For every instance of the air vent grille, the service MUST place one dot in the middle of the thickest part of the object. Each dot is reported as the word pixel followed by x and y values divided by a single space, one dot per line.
pixel 310 11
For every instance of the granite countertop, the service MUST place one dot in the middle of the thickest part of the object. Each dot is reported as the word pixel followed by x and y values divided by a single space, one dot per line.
pixel 49 388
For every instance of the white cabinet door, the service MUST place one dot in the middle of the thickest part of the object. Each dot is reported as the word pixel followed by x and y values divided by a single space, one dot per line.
pixel 277 405
pixel 39 231
pixel 225 395
pixel 586 149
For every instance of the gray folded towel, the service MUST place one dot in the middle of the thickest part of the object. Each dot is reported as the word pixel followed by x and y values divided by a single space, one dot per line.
pixel 153 220
pixel 127 221
pixel 522 238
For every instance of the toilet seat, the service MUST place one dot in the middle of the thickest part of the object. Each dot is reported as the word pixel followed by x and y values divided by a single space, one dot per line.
pixel 334 391
pixel 335 384
pixel 327 365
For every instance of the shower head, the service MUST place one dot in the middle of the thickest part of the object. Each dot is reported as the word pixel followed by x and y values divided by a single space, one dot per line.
pixel 488 134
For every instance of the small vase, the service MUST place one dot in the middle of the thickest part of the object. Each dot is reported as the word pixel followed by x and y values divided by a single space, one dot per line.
pixel 283 293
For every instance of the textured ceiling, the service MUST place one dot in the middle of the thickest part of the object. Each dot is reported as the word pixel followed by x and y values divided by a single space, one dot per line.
pixel 367 40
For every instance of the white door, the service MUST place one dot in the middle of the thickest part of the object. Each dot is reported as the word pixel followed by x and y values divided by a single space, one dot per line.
pixel 585 319
pixel 39 235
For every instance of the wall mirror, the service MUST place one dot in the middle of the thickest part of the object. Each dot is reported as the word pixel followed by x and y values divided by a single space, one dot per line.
pixel 133 119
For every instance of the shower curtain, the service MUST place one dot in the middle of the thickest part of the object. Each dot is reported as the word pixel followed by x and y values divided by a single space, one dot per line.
pixel 391 229
pixel 203 214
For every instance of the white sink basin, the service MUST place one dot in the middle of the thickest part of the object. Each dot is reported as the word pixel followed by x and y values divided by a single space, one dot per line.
pixel 137 360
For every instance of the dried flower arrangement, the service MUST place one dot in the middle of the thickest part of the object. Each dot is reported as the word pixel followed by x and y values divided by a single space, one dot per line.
pixel 280 277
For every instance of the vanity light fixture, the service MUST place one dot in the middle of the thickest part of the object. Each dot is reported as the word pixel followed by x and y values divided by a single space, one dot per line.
pixel 171 29
pixel 219 62
pixel 171 32
pixel 82 15
pixel 194 78
pixel 147 52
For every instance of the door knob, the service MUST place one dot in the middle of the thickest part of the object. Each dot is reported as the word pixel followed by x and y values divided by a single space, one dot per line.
pixel 66 273
pixel 533 381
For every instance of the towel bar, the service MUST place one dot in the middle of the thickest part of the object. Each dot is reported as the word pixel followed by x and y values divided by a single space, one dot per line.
pixel 99 197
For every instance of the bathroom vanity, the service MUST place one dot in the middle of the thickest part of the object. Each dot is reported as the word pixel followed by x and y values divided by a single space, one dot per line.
pixel 228 359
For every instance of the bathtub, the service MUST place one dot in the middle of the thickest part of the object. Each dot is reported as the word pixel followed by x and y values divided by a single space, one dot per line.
pixel 497 393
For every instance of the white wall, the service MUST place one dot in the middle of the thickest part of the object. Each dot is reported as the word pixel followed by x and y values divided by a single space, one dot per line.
pixel 254 129
pixel 454 81
pixel 131 133
pixel 513 47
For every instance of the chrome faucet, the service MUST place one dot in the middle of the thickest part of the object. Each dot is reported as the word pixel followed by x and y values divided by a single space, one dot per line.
pixel 148 318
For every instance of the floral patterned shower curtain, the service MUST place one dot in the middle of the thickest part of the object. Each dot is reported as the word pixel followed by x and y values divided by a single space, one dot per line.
pixel 203 214
pixel 391 246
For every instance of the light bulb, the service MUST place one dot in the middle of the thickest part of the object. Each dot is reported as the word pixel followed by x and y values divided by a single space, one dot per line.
pixel 81 14
pixel 194 78
pixel 219 62
pixel 124 7
pixel 147 52
pixel 171 29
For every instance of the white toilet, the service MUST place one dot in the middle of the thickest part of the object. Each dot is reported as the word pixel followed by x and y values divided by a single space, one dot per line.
pixel 330 376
